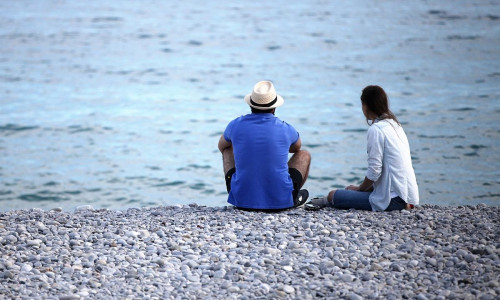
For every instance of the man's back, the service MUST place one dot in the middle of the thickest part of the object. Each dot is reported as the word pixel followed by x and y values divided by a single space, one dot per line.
pixel 261 144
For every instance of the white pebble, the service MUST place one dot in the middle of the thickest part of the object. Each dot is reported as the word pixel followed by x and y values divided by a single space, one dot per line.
pixel 288 289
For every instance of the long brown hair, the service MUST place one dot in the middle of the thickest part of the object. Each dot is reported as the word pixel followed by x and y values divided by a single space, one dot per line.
pixel 375 99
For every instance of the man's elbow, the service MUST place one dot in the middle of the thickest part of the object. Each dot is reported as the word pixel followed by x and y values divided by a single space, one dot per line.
pixel 223 144
pixel 222 147
pixel 294 148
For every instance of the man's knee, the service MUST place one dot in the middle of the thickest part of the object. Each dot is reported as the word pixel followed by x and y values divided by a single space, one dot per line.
pixel 302 157
pixel 306 154
pixel 306 160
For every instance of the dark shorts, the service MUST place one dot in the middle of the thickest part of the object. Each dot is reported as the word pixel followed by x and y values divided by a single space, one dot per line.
pixel 295 175
pixel 297 181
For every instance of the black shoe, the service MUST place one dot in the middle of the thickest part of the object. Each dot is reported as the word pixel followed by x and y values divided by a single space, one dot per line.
pixel 301 197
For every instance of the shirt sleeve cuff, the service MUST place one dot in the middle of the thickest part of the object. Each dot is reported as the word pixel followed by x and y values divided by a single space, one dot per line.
pixel 373 176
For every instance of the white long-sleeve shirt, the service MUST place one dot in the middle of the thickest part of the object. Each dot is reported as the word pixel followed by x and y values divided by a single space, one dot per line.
pixel 389 165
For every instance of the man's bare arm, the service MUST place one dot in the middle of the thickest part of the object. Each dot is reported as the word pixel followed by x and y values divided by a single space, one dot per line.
pixel 294 148
pixel 223 144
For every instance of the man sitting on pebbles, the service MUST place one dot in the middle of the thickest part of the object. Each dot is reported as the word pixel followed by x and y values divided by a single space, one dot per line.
pixel 255 150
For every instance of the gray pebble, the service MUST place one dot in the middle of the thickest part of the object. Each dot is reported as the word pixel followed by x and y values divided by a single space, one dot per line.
pixel 353 296
pixel 469 258
pixel 338 263
pixel 430 252
pixel 193 278
pixel 347 277
pixel 431 261
pixel 10 239
pixel 26 268
pixel 69 297
pixel 7 274
pixel 396 267
pixel 34 243
pixel 421 297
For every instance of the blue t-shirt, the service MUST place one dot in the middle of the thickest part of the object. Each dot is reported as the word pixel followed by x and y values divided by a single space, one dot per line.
pixel 261 143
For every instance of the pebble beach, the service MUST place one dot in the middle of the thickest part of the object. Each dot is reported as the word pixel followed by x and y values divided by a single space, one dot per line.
pixel 198 252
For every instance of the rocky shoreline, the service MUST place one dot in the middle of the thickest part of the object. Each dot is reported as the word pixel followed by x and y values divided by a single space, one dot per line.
pixel 188 252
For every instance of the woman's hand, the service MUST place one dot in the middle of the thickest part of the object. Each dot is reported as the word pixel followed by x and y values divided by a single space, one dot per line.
pixel 366 186
pixel 353 188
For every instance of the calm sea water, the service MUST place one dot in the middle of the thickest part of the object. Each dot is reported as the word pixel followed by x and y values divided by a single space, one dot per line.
pixel 121 105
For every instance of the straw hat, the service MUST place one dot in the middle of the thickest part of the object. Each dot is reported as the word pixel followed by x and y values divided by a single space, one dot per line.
pixel 264 96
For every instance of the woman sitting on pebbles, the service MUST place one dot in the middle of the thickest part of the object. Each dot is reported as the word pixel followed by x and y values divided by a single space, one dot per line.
pixel 390 182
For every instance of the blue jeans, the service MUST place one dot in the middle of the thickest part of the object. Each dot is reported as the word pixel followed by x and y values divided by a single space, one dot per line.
pixel 346 199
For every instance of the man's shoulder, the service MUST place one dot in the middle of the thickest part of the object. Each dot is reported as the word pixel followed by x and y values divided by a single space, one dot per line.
pixel 285 123
pixel 242 117
pixel 235 120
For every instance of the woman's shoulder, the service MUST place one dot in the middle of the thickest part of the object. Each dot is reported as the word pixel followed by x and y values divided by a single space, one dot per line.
pixel 377 126
pixel 384 127
pixel 375 130
pixel 382 124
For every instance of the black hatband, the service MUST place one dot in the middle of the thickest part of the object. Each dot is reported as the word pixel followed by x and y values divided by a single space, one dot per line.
pixel 264 105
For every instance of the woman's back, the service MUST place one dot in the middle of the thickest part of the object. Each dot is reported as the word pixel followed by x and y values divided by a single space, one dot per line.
pixel 389 160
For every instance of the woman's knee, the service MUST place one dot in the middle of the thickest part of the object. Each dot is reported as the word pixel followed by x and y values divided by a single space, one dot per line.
pixel 330 196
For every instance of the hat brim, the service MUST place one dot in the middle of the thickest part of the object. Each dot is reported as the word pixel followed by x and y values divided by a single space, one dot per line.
pixel 279 102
